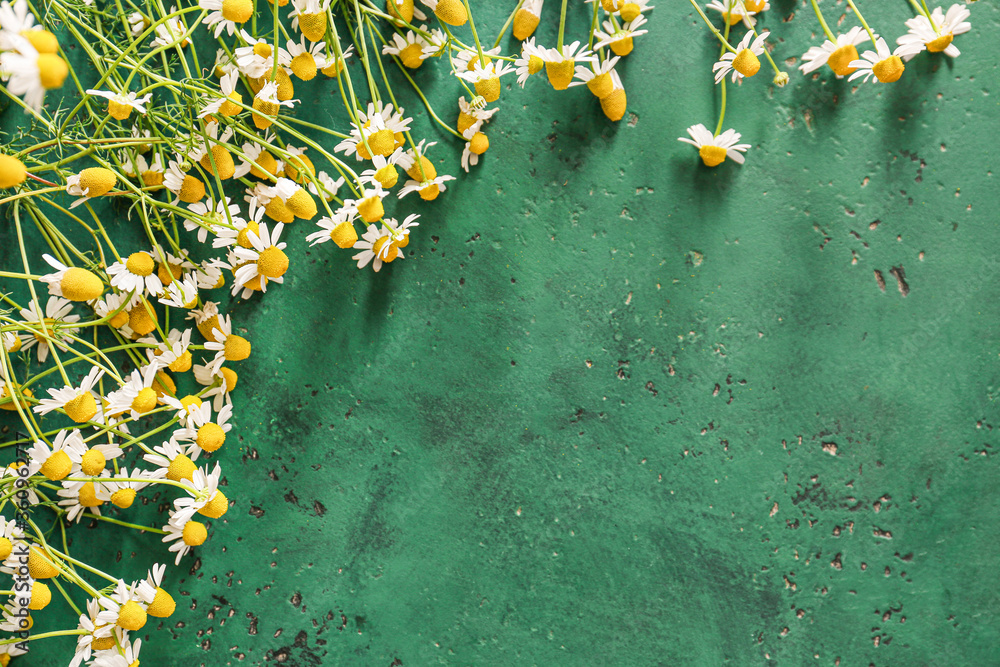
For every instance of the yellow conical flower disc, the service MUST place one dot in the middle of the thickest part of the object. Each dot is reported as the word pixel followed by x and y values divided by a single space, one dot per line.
pixel 163 385
pixel 237 11
pixel 12 172
pixel 399 140
pixel 142 317
pixel 210 437
pixel 205 327
pixel 465 121
pixel 80 285
pixel 256 83
pixel 387 176
pixel 382 142
pixel 631 10
pixel 181 364
pixel 237 348
pixel 215 507
pixel 614 104
pixel 304 66
pixel 163 604
pixel 168 273
pixel 430 192
pixel 334 69
pixel 745 62
pixel 98 179
pixel 243 241
pixel 402 243
pixel 479 143
pixel 889 70
pixel 181 468
pixel 524 24
pixel 940 43
pixel 452 12
pixel 278 211
pixel 560 74
pixel 344 235
pixel 390 254
pixel 131 616
pixel 82 408
pixel 601 85
pixel 6 548
pixel 194 533
pixel 93 462
pixel 752 5
pixel 411 56
pixel 841 59
pixel 144 401
pixel 272 263
pixel 609 6
pixel 123 498
pixel 313 26
pixel 192 190
pixel 267 161
pixel 293 172
pixel 712 156
pixel 302 205
pixel 140 264
pixel 402 9
pixel 489 89
pixel 25 394
pixel 119 111
pixel 622 47
pixel 43 40
pixel 231 106
pixel 190 402
pixel 429 170
pixel 52 70
pixel 88 496
pixel 264 111
pixel 41 596
pixel 103 643
pixel 286 89
pixel 371 210
pixel 535 65
pixel 57 466
pixel 224 165
pixel 41 565
pixel 230 377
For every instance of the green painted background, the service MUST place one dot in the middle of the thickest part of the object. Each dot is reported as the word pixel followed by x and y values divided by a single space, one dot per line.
pixel 615 408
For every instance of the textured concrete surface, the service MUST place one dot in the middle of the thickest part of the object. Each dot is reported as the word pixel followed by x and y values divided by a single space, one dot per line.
pixel 618 409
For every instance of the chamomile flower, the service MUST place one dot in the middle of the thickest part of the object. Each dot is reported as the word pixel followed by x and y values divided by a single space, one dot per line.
pixel 531 61
pixel 264 261
pixel 95 637
pixel 212 217
pixel 54 462
pixel 171 32
pixel 619 39
pixel 400 232
pixel 882 64
pixel 15 20
pixel 226 344
pixel 29 74
pixel 136 273
pixel 122 608
pixel 208 434
pixel 560 64
pixel 734 11
pixel 125 656
pixel 137 23
pixel 225 63
pixel 309 18
pixel 77 498
pixel 51 325
pixel 171 461
pixel 306 60
pixel 185 187
pixel 712 149
pixel 220 381
pixel 469 115
pixel 436 43
pixel 150 172
pixel 744 61
pixel 257 58
pixel 487 79
pixel 79 403
pixel 266 105
pixel 117 305
pixel 210 274
pixel 228 103
pixel 181 292
pixel 120 490
pixel 527 18
pixel 384 172
pixel 376 247
pixel 368 206
pixel 476 143
pixel 74 284
pixel 339 229
pixel 226 14
pixel 91 461
pixel 838 55
pixel 429 189
pixel 452 12
pixel 184 536
pixel 937 34
pixel 597 76
pixel 91 182
pixel 466 59
pixel 136 396
pixel 408 48
pixel 204 496
pixel 328 187
pixel 120 105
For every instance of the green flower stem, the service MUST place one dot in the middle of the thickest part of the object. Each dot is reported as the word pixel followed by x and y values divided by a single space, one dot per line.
pixel 822 21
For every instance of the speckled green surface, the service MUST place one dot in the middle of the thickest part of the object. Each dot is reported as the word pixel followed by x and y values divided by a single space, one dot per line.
pixel 615 408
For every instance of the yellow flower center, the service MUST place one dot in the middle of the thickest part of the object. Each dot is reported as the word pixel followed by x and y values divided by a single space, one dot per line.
pixel 411 56
pixel 181 468
pixel 429 192
pixel 371 209
pixel 102 643
pixel 12 172
pixel 194 533
pixel 40 564
pixel 88 496
pixel 231 106
pixel 93 462
pixel 479 143
pixel 746 63
pixel 118 110
pixel 80 285
pixel 43 40
pixel 313 26
pixel 123 498
pixel 622 46
pixel 190 402
pixel 230 378
pixel 224 165
pixel 402 9
pixel 237 348
pixel 57 466
pixel 560 73
pixel 387 176
pixel 168 273
pixel 140 264
pixel 163 604
pixel 52 70
pixel 277 210
pixel 144 401
pixel 41 596
pixel 755 5
pixel 262 49
pixel 489 89
pixel 192 189
pixel 712 156
pixel 215 507
pixel 452 12
pixel 423 170
pixel 82 408
pixel 389 254
pixel 941 43
pixel 889 70
pixel 841 59
pixel 142 317
pixel 243 240
pixel 131 616
pixel 535 64
pixel 631 10
pixel 237 11
pixel 302 205
pixel 344 235
pixel 6 548
pixel 524 24
pixel 601 85
pixel 210 437
pixel 97 181
pixel 268 166
pixel 272 263
pixel 382 142
pixel 304 66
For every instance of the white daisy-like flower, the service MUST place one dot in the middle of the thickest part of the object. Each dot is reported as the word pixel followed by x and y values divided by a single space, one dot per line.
pixel 14 20
pixel 264 261
pixel 368 206
pixel 309 17
pixel 136 396
pixel 466 59
pixel 227 103
pixel 137 23
pixel 226 14
pixel 436 42
pixel 171 32
pixel 487 79
pixel 225 63
pixel 226 344
pixel 185 407
pixel 184 535
pixel 50 325
pixel 329 186
pixel 210 273
pixel 171 460
pixel 882 64
pixel 79 403
pixel 91 461
pixel 78 497
pixel 150 172
pixel 202 492
pixel 560 64
pixel 257 159
pixel 400 231
pixel 306 60
pixel 84 643
pixel 181 292
pixel 734 11
pixel 257 58
pixel 136 273
pixel 338 227
pixel 54 462
pixel 180 183
pixel 838 55
pixel 237 233
pixel 384 170
pixel 14 615
pixel 376 247
pixel 29 74
pixel 531 61
pixel 126 656
pixel 712 149
pixel 122 608
pixel 476 143
pixel 71 283
pixel 220 380
pixel 409 48
pixel 937 34
pixel 428 189
pixel 597 76
pixel 203 431
pixel 212 217
pixel 619 39
pixel 172 353
pixel 743 62
pixel 379 127
pixel 116 305
pixel 120 489
pixel 120 105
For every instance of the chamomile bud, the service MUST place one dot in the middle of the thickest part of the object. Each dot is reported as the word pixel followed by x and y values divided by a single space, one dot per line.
pixel 12 172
